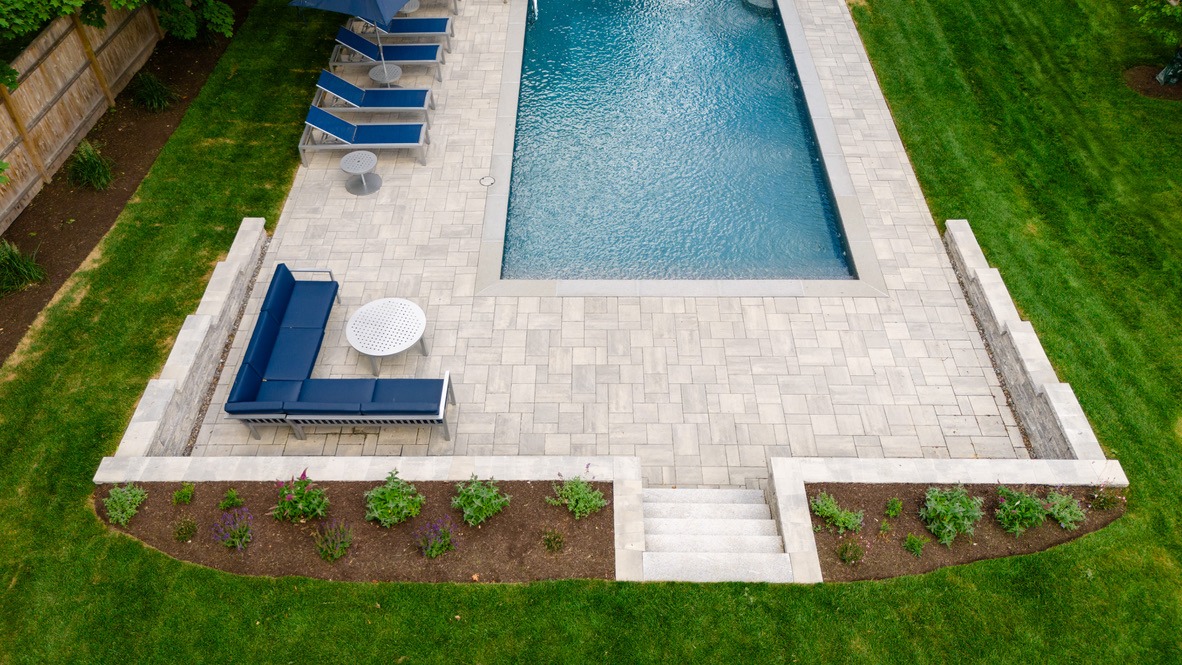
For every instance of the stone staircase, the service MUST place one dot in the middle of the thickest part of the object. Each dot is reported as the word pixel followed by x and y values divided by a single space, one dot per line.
pixel 711 535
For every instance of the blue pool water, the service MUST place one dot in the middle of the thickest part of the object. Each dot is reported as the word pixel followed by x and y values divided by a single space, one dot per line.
pixel 665 139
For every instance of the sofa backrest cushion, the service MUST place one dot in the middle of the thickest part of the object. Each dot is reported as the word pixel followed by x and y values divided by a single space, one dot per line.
pixel 279 293
pixel 246 385
pixel 262 342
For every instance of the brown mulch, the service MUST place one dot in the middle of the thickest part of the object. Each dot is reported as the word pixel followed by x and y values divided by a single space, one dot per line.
pixel 506 548
pixel 64 223
pixel 885 556
pixel 1141 79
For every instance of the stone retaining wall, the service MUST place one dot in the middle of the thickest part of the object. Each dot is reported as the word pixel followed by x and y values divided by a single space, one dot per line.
pixel 1046 408
pixel 167 412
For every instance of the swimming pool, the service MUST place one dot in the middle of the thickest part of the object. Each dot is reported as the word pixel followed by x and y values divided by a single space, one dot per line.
pixel 665 140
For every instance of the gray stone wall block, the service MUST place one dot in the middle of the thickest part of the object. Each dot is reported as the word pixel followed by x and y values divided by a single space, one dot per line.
pixel 966 254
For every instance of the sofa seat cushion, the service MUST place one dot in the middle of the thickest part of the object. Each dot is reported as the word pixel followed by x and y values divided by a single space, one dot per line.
pixel 400 408
pixel 250 408
pixel 279 391
pixel 294 354
pixel 322 408
pixel 310 304
pixel 337 390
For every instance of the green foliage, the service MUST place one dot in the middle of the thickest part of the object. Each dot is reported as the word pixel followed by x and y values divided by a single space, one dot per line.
pixel 850 551
pixel 884 528
pixel 17 270
pixel 123 502
pixel 184 529
pixel 436 538
pixel 189 18
pixel 1105 498
pixel 947 513
pixel 825 507
pixel 914 544
pixel 178 17
pixel 894 507
pixel 332 540
pixel 553 540
pixel 393 502
pixel 1162 19
pixel 1065 509
pixel 4 180
pixel 89 168
pixel 148 91
pixel 235 529
pixel 184 495
pixel 579 497
pixel 479 500
pixel 1018 511
pixel 230 500
pixel 300 500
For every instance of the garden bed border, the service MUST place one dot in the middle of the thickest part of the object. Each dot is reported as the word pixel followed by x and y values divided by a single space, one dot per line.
pixel 622 472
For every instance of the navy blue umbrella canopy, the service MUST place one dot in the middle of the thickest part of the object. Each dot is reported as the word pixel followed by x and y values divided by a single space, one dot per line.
pixel 377 12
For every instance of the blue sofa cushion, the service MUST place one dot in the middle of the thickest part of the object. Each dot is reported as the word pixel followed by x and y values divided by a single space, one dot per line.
pixel 399 408
pixel 337 390
pixel 409 390
pixel 246 385
pixel 262 342
pixel 280 391
pixel 249 408
pixel 322 408
pixel 294 354
pixel 279 293
pixel 311 302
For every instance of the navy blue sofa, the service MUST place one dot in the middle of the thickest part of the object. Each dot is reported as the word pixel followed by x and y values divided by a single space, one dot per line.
pixel 273 386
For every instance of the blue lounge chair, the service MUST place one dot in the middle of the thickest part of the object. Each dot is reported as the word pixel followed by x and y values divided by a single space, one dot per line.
pixel 353 49
pixel 432 27
pixel 339 95
pixel 325 131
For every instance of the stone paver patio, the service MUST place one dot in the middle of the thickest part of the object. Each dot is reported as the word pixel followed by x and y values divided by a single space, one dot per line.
pixel 702 389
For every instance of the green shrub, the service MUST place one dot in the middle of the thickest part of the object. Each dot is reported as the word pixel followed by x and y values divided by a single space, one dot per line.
pixel 1065 509
pixel 89 168
pixel 184 529
pixel 436 537
pixel 553 540
pixel 1018 511
pixel 914 544
pixel 184 495
pixel 884 529
pixel 395 501
pixel 579 497
pixel 148 91
pixel 947 513
pixel 230 500
pixel 17 270
pixel 894 507
pixel 850 551
pixel 332 540
pixel 300 500
pixel 1105 499
pixel 479 500
pixel 123 502
pixel 825 507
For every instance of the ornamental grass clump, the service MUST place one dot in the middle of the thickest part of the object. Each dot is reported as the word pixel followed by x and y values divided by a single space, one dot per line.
pixel 437 537
pixel 332 539
pixel 300 500
pixel 914 544
pixel 479 500
pixel 825 507
pixel 894 507
pixel 579 497
pixel 393 502
pixel 183 496
pixel 1018 511
pixel 123 502
pixel 850 551
pixel 1065 509
pixel 17 270
pixel 184 529
pixel 235 529
pixel 1105 498
pixel 149 92
pixel 88 167
pixel 947 513
pixel 230 500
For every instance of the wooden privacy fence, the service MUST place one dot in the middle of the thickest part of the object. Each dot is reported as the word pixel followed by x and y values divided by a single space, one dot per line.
pixel 69 76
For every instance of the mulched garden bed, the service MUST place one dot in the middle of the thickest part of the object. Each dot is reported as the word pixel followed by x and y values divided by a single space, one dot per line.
pixel 506 548
pixel 1143 79
pixel 885 556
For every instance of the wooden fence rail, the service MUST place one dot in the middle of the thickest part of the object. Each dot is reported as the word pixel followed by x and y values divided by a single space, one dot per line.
pixel 69 77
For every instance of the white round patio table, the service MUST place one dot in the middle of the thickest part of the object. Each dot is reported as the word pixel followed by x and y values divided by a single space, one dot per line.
pixel 410 7
pixel 385 327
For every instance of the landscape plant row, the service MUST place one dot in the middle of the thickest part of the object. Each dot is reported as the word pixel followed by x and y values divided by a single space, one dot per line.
pixel 393 502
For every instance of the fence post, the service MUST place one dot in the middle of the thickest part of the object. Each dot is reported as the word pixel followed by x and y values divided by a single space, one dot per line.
pixel 94 63
pixel 26 140
pixel 155 22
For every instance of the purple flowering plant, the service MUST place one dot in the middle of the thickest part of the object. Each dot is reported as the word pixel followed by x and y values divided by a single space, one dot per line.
pixel 300 500
pixel 234 528
pixel 437 537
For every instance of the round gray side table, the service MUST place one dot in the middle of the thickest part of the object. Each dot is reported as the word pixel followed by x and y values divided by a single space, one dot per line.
pixel 385 74
pixel 360 164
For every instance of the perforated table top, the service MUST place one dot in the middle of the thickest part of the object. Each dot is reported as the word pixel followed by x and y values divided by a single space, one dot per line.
pixel 385 327
pixel 358 162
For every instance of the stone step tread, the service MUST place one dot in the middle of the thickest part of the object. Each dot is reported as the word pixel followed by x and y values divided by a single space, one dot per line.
pixel 688 527
pixel 716 567
pixel 712 543
pixel 701 495
pixel 708 511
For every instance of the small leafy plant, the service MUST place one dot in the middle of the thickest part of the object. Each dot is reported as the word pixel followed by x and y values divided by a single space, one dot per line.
pixel 579 497
pixel 437 537
pixel 479 500
pixel 850 551
pixel 183 496
pixel 884 529
pixel 184 529
pixel 234 529
pixel 148 91
pixel 332 540
pixel 123 502
pixel 1065 509
pixel 300 500
pixel 553 540
pixel 1018 511
pixel 825 507
pixel 88 167
pixel 1105 498
pixel 17 270
pixel 894 507
pixel 230 500
pixel 948 513
pixel 393 502
pixel 914 544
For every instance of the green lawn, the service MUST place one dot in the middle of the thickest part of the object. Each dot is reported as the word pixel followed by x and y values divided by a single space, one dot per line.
pixel 1016 118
